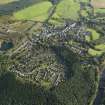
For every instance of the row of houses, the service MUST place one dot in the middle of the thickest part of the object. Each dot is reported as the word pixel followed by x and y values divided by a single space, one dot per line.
pixel 37 62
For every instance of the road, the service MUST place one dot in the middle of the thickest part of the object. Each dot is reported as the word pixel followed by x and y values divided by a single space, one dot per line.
pixel 101 90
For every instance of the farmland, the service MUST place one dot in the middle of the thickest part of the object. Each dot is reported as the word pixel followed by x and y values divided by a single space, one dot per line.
pixel 38 15
pixel 98 3
pixel 25 12
pixel 99 6
pixel 7 1
pixel 67 10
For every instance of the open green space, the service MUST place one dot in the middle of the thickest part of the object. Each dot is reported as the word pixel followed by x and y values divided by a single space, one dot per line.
pixel 37 12
pixel 99 10
pixel 6 1
pixel 94 35
pixel 97 53
pixel 66 9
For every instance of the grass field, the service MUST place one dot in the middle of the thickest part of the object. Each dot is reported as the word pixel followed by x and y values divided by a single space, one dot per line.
pixel 94 35
pixel 37 12
pixel 97 53
pixel 99 10
pixel 6 1
pixel 66 9
pixel 99 6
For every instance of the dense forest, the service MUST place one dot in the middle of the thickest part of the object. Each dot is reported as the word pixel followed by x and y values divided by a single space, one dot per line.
pixel 78 87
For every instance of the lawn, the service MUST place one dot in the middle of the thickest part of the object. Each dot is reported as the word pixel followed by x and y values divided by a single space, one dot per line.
pixel 37 12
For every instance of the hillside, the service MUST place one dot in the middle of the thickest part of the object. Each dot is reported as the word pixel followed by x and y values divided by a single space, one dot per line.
pixel 52 52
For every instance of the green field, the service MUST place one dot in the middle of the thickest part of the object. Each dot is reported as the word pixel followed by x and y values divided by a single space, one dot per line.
pixel 99 10
pixel 6 1
pixel 97 53
pixel 67 9
pixel 94 35
pixel 101 46
pixel 37 12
